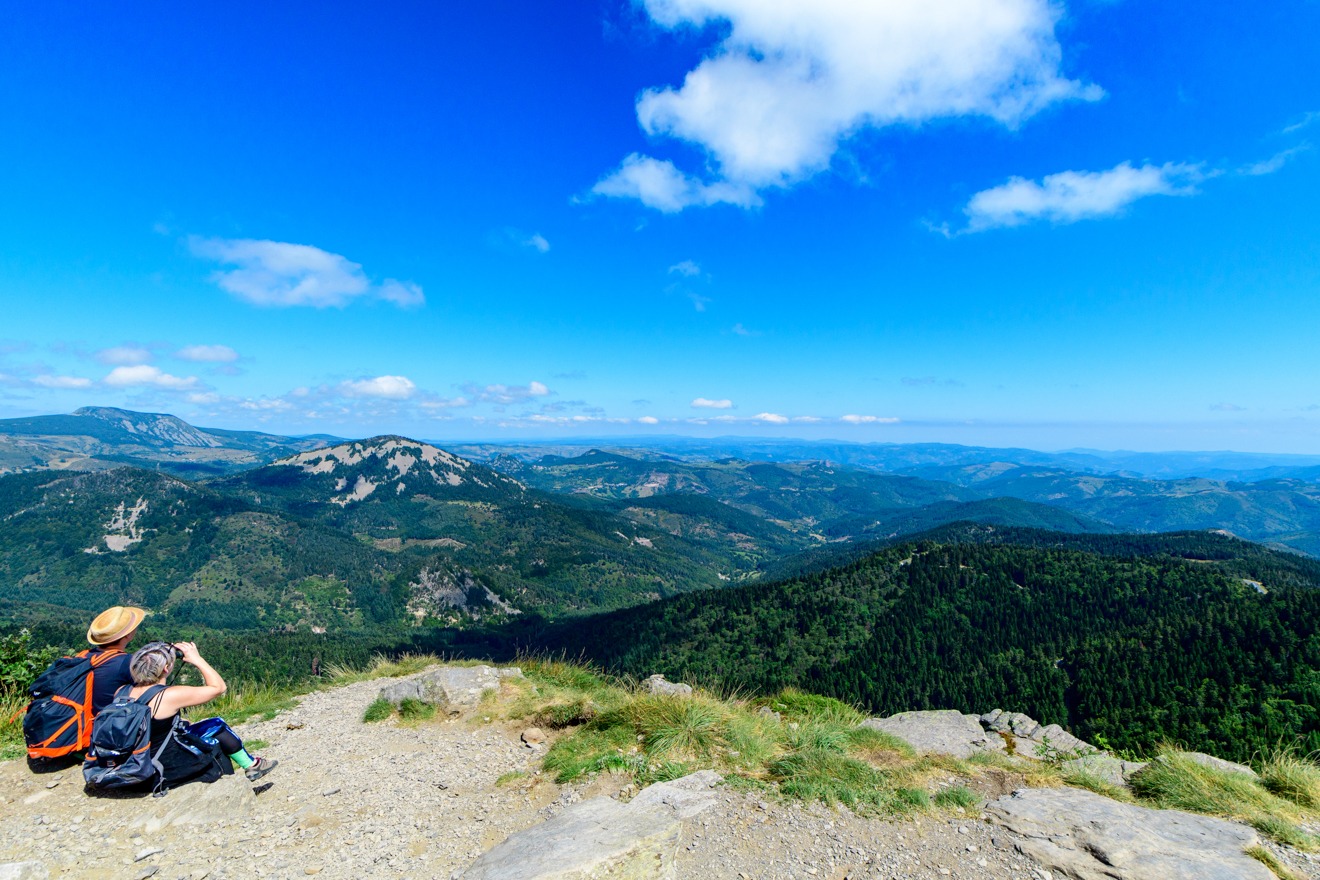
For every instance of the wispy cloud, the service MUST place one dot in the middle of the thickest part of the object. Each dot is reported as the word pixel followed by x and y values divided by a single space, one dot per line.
pixel 207 354
pixel 774 100
pixel 506 394
pixel 1306 120
pixel 1276 162
pixel 145 375
pixel 740 330
pixel 1070 196
pixel 386 387
pixel 278 274
pixel 771 418
pixel 62 381
pixel 686 268
pixel 853 419
pixel 125 355
pixel 706 403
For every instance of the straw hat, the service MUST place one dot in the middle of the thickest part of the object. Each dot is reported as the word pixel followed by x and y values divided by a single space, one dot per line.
pixel 113 624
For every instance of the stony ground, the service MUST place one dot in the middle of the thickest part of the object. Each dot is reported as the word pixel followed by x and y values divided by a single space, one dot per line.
pixel 351 800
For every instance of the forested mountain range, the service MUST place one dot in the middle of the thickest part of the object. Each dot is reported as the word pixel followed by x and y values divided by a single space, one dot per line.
pixel 1196 638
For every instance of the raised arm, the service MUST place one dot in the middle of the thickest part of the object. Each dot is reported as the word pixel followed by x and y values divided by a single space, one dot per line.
pixel 180 696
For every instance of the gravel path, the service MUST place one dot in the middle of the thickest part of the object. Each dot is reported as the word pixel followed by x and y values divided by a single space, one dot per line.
pixel 351 800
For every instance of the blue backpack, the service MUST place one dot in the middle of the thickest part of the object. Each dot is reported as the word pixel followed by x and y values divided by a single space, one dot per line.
pixel 120 755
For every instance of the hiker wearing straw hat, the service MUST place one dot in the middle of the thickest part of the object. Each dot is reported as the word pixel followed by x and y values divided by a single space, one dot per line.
pixel 66 697
pixel 110 633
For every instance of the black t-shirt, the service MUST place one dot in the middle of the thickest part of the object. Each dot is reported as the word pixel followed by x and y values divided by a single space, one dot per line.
pixel 109 677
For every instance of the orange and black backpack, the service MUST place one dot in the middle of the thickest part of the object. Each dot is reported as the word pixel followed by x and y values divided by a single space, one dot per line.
pixel 59 716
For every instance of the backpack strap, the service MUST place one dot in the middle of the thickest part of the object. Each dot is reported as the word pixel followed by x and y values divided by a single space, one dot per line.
pixel 149 694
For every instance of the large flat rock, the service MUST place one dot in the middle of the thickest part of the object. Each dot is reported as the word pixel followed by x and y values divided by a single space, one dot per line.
pixel 1085 836
pixel 942 731
pixel 603 838
pixel 197 804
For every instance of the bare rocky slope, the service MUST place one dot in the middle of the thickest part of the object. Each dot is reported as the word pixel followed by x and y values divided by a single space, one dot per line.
pixel 461 796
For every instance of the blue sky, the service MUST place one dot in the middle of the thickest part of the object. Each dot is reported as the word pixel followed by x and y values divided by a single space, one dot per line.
pixel 999 222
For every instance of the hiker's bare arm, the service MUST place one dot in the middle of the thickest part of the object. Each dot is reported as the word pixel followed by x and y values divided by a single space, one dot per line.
pixel 181 697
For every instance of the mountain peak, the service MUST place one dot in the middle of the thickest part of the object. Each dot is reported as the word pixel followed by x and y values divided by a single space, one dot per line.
pixel 152 426
pixel 360 467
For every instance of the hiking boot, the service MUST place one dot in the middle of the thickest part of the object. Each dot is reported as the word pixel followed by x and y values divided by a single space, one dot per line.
pixel 260 767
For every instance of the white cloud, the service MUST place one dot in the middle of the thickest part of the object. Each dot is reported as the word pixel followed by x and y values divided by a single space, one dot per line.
pixel 740 330
pixel 276 273
pixel 687 268
pixel 210 354
pixel 124 355
pixel 853 419
pixel 790 82
pixel 145 374
pixel 658 184
pixel 536 241
pixel 1070 196
pixel 204 397
pixel 649 420
pixel 706 403
pixel 62 382
pixel 387 387
pixel 771 418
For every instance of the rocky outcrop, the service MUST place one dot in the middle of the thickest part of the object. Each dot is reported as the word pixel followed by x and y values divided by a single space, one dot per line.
pixel 455 687
pixel 942 731
pixel 1031 739
pixel 1085 836
pixel 656 684
pixel 603 838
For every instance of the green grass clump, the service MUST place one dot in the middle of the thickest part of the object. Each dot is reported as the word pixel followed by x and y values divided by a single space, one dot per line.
pixel 557 716
pixel 957 796
pixel 382 666
pixel 830 776
pixel 511 776
pixel 1092 782
pixel 379 710
pixel 11 731
pixel 1293 777
pixel 415 710
pixel 1174 780
pixel 795 705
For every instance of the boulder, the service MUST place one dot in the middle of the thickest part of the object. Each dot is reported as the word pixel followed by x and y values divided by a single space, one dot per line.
pixel 656 684
pixel 197 804
pixel 23 871
pixel 1218 763
pixel 943 731
pixel 1104 767
pixel 452 686
pixel 1082 835
pixel 603 838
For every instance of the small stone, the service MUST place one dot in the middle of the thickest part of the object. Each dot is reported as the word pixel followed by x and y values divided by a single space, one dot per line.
pixel 533 736
pixel 52 784
pixel 315 869
pixel 330 791
pixel 147 853
pixel 146 872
